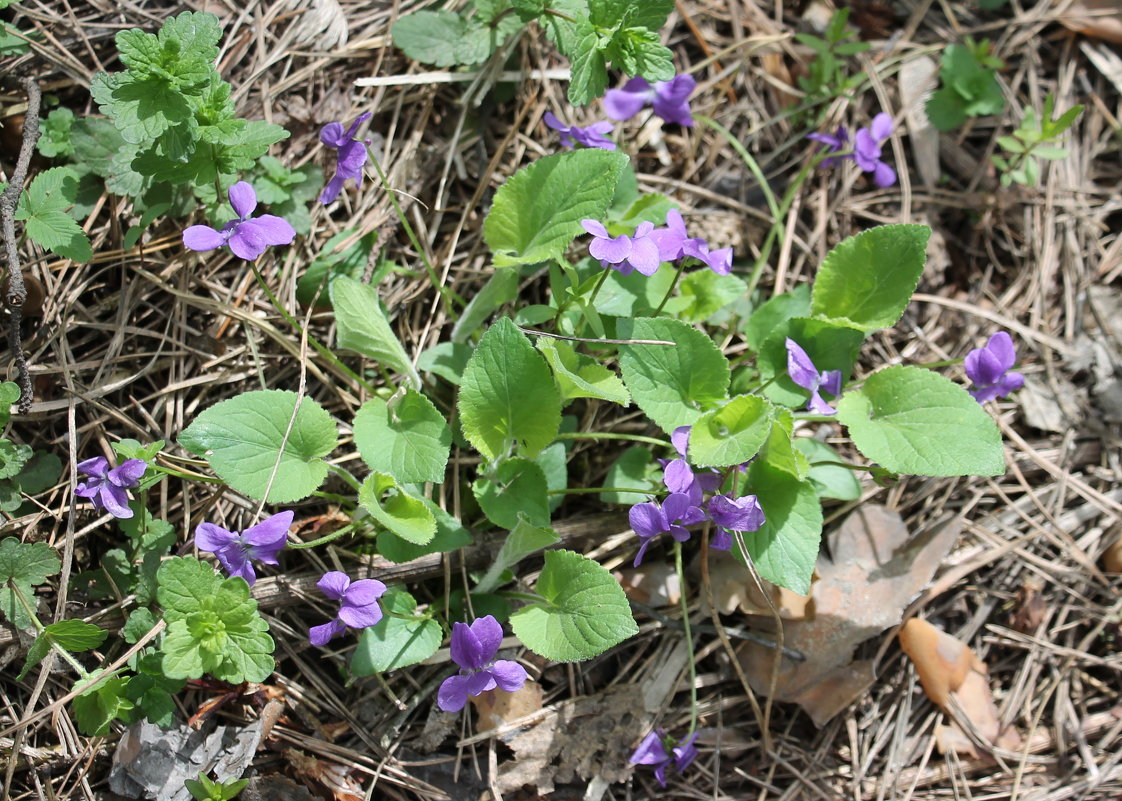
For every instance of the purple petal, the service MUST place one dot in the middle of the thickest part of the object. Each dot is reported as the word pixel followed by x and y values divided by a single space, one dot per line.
pixel 556 124
pixel 351 158
pixel 642 550
pixel 596 228
pixel 669 244
pixel 660 773
pixel 650 751
pixel 332 190
pixel 719 261
pixel 480 682
pixel 248 241
pixel 678 476
pixel 866 152
pixel 884 175
pixel 677 506
pixel 799 366
pixel 647 519
pixel 98 467
pixel 201 238
pixel 243 199
pixel 741 514
pixel 363 117
pixel 818 405
pixel 881 127
pixel 268 537
pixel 722 540
pixel 831 381
pixel 89 489
pixel 332 135
pixel 625 103
pixel 129 473
pixel 489 634
pixel 644 255
pixel 237 565
pixel 115 501
pixel 685 753
pixel 1010 383
pixel 983 367
pixel 509 675
pixel 466 650
pixel 676 113
pixel 333 584
pixel 274 230
pixel 676 90
pixel 322 635
pixel 360 617
pixel 611 250
pixel 680 439
pixel 985 394
pixel 1001 346
pixel 212 538
pixel 452 694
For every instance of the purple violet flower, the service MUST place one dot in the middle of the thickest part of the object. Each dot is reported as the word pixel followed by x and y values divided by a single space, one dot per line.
pixel 866 149
pixel 728 515
pixel 624 253
pixel 261 542
pixel 652 751
pixel 108 489
pixel 247 236
pixel 648 520
pixel 806 375
pixel 680 478
pixel 358 608
pixel 988 368
pixel 675 243
pixel 589 136
pixel 473 649
pixel 835 144
pixel 669 98
pixel 352 155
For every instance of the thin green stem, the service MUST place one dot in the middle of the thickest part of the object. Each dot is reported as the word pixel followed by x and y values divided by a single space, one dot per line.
pixel 334 535
pixel 612 435
pixel 600 283
pixel 673 286
pixel 344 474
pixel 593 490
pixel 684 596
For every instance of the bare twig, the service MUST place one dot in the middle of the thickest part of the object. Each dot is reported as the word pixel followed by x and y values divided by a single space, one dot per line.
pixel 16 295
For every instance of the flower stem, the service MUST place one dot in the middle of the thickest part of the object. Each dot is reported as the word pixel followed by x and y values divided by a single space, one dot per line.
pixel 334 535
pixel 689 636
pixel 673 286
pixel 612 435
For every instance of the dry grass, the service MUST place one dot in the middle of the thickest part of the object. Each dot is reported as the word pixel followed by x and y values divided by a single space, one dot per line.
pixel 136 343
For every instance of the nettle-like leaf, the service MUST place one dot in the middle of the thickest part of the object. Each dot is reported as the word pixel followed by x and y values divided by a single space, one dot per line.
pixel 785 549
pixel 43 209
pixel 245 437
pixel 23 565
pixel 868 279
pixel 584 614
pixel 674 384
pixel 537 212
pixel 364 329
pixel 731 434
pixel 9 394
pixel 98 707
pixel 588 66
pixel 409 439
pixel 213 625
pixel 580 376
pixel 524 539
pixel 394 507
pixel 912 420
pixel 508 400
pixel 516 491
pixel 396 642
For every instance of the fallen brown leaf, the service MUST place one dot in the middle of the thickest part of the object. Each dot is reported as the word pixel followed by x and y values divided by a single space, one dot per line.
pixel 654 584
pixel 333 777
pixel 1099 18
pixel 876 569
pixel 496 708
pixel 734 588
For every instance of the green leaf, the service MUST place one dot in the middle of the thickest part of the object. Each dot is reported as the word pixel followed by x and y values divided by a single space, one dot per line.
pixel 313 286
pixel 75 635
pixel 635 469
pixel 213 625
pixel 731 434
pixel 396 509
pixel 588 69
pixel 24 565
pixel 868 279
pixel 501 287
pixel 39 473
pixel 447 359
pixel 516 491
pixel 95 709
pixel 430 37
pixel 35 654
pixel 524 539
pixel 829 480
pixel 584 614
pixel 1050 152
pixel 450 536
pixel 785 548
pixel 410 440
pixel 774 313
pixel 13 457
pixel 673 384
pixel 702 293
pixel 779 451
pixel 9 394
pixel 912 420
pixel 54 140
pixel 508 400
pixel 580 376
pixel 364 329
pixel 244 438
pixel 537 212
pixel 43 206
pixel 139 623
pixel 632 295
pixel 396 642
pixel 945 109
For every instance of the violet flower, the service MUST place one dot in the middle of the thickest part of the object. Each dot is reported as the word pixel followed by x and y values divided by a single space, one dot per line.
pixel 358 608
pixel 624 253
pixel 648 520
pixel 235 552
pixel 247 236
pixel 652 751
pixel 835 143
pixel 806 375
pixel 675 243
pixel 728 515
pixel 351 153
pixel 108 489
pixel 680 477
pixel 473 649
pixel 866 149
pixel 669 98
pixel 988 368
pixel 589 136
